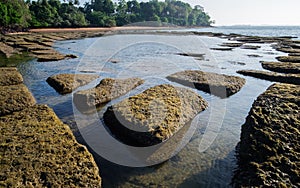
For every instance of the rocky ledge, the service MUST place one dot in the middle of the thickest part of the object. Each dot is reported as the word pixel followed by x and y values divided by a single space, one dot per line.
pixel 66 83
pixel 293 68
pixel 269 151
pixel 272 76
pixel 38 150
pixel 154 115
pixel 292 59
pixel 217 84
pixel 104 92
pixel 10 76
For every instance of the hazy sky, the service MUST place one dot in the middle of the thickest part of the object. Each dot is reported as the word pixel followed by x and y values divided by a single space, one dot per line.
pixel 253 12
pixel 249 12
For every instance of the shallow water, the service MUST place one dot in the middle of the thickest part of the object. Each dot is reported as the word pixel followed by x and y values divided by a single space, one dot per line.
pixel 208 158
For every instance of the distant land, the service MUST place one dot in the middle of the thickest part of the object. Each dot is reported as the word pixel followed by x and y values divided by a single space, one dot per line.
pixel 19 14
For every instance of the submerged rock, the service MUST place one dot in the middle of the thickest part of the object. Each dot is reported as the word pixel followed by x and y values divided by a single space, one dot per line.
pixel 154 115
pixel 272 76
pixel 10 76
pixel 250 47
pixel 14 98
pixel 66 83
pixel 217 84
pixel 104 92
pixel 232 45
pixel 286 67
pixel 292 59
pixel 268 153
pixel 38 150
pixel 222 49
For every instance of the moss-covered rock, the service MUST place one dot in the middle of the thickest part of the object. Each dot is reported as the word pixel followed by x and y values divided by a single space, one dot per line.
pixel 292 59
pixel 10 76
pixel 154 115
pixel 66 83
pixel 272 76
pixel 217 84
pixel 269 151
pixel 14 98
pixel 104 92
pixel 38 150
pixel 286 67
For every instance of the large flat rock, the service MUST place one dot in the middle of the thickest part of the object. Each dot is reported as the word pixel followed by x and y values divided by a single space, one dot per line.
pixel 10 76
pixel 293 68
pixel 154 115
pixel 38 150
pixel 217 84
pixel 66 83
pixel 292 59
pixel 14 98
pixel 269 151
pixel 104 92
pixel 272 76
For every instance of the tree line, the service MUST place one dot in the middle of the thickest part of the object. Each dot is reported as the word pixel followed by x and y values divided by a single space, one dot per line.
pixel 104 13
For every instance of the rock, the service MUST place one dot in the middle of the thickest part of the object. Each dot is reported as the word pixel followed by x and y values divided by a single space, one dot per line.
pixel 288 50
pixel 50 57
pixel 38 150
pixel 71 56
pixel 191 54
pixel 66 83
pixel 10 76
pixel 237 63
pixel 293 68
pixel 222 49
pixel 250 47
pixel 154 115
pixel 294 54
pixel 232 45
pixel 268 153
pixel 272 76
pixel 216 84
pixel 250 39
pixel 14 98
pixel 292 59
pixel 104 92
pixel 7 50
pixel 254 55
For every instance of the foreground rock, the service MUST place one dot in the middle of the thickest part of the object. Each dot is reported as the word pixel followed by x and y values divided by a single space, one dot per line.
pixel 216 84
pixel 38 150
pixel 10 76
pixel 293 68
pixel 66 83
pixel 153 116
pixel 104 92
pixel 292 59
pixel 272 76
pixel 268 153
pixel 14 98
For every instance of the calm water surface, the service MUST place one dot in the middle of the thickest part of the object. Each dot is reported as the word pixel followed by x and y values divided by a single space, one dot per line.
pixel 208 158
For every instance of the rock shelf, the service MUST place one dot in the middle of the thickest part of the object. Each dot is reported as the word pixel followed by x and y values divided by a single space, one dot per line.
pixel 154 115
pixel 216 84
pixel 268 153
pixel 66 83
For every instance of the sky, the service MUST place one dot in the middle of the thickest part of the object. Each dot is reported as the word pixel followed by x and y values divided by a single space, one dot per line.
pixel 250 12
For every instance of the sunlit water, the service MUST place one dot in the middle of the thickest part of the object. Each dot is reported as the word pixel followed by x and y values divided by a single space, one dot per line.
pixel 208 159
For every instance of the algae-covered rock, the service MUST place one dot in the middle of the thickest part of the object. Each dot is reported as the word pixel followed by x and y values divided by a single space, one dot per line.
pixel 272 76
pixel 292 59
pixel 154 115
pixel 10 76
pixel 268 153
pixel 104 92
pixel 38 150
pixel 217 84
pixel 66 83
pixel 14 98
pixel 286 67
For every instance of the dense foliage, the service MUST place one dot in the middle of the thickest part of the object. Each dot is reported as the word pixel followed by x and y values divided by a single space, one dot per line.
pixel 68 13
